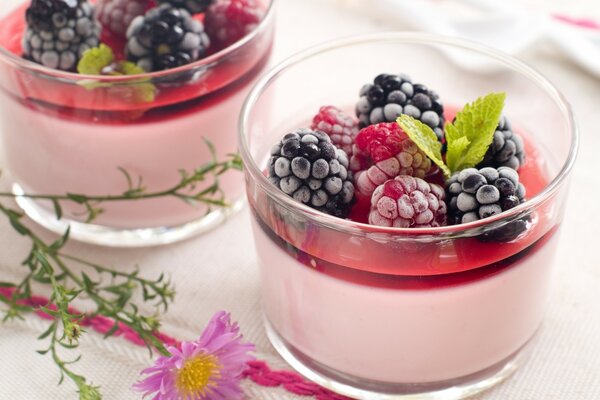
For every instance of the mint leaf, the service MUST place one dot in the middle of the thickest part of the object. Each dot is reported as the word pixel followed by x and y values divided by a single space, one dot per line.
pixel 471 134
pixel 424 137
pixel 101 61
pixel 145 91
pixel 95 60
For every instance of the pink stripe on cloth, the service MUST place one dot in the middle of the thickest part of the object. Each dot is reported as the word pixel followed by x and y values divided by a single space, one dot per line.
pixel 257 371
pixel 580 22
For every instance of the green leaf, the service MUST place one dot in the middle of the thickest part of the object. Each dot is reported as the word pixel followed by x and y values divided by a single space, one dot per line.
pixel 77 198
pixel 7 285
pixel 57 209
pixel 425 138
pixel 95 60
pixel 471 134
pixel 47 332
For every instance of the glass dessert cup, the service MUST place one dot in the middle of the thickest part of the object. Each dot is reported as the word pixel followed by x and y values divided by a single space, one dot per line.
pixel 64 133
pixel 390 313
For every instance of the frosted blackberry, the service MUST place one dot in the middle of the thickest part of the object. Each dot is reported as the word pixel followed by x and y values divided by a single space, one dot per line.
pixel 507 149
pixel 475 194
pixel 193 6
pixel 165 37
pixel 308 167
pixel 116 15
pixel 391 95
pixel 59 32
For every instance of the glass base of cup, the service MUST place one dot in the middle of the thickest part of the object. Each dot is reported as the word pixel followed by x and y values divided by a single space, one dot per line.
pixel 118 237
pixel 359 388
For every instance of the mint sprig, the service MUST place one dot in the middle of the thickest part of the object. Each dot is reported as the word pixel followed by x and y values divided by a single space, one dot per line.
pixel 472 132
pixel 424 137
pixel 101 61
pixel 468 137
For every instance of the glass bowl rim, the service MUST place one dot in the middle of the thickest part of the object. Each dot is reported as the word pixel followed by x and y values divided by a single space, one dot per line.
pixel 209 61
pixel 418 38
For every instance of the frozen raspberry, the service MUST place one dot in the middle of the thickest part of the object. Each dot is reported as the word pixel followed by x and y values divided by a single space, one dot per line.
pixel 341 128
pixel 227 21
pixel 391 95
pixel 384 151
pixel 308 167
pixel 59 32
pixel 116 15
pixel 193 6
pixel 408 202
pixel 476 194
pixel 507 149
pixel 165 37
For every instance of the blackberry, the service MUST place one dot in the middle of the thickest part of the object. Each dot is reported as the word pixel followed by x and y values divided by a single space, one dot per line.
pixel 480 193
pixel 59 32
pixel 391 95
pixel 165 37
pixel 507 149
pixel 193 6
pixel 308 167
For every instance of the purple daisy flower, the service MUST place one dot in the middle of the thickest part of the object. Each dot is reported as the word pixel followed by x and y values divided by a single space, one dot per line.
pixel 209 368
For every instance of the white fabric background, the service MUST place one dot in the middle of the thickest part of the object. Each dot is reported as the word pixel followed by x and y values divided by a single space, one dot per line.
pixel 210 277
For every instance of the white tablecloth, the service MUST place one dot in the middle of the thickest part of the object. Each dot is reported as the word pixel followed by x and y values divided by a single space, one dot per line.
pixel 210 277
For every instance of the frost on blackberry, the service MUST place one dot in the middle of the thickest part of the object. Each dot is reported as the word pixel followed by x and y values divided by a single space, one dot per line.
pixel 475 194
pixel 507 149
pixel 193 6
pixel 59 32
pixel 307 166
pixel 165 37
pixel 391 95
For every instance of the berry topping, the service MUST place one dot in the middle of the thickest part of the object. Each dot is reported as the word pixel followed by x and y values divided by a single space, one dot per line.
pixel 408 202
pixel 389 96
pixel 307 166
pixel 116 15
pixel 507 149
pixel 384 151
pixel 227 21
pixel 193 6
pixel 59 32
pixel 480 193
pixel 341 128
pixel 165 37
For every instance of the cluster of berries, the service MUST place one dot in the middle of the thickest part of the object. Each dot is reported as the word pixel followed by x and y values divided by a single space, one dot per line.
pixel 159 34
pixel 376 164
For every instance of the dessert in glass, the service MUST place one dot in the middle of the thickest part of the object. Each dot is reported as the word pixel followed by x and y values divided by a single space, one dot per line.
pixel 68 132
pixel 423 285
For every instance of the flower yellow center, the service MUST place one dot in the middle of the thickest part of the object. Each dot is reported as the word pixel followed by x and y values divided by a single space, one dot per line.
pixel 198 375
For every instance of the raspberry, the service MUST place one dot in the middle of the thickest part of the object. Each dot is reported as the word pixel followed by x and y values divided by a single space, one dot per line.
pixel 476 194
pixel 193 6
pixel 408 202
pixel 507 149
pixel 116 15
pixel 391 95
pixel 165 37
pixel 227 21
pixel 384 151
pixel 59 32
pixel 307 166
pixel 341 128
